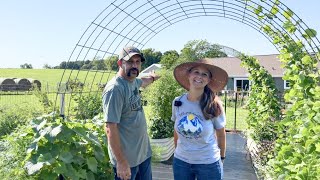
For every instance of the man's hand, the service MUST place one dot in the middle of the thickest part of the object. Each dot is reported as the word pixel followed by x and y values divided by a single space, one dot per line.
pixel 149 79
pixel 154 76
pixel 123 170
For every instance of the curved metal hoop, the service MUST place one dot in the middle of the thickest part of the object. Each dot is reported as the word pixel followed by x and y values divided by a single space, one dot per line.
pixel 136 22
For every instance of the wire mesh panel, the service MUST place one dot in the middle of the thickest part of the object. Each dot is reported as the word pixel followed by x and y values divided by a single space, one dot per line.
pixel 136 22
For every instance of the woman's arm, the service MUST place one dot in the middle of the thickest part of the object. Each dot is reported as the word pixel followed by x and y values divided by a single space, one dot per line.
pixel 175 138
pixel 221 138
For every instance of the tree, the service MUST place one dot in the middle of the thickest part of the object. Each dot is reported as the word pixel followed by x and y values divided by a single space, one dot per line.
pixel 168 58
pixel 197 49
pixel 98 64
pixel 151 57
pixel 111 63
pixel 47 66
pixel 26 66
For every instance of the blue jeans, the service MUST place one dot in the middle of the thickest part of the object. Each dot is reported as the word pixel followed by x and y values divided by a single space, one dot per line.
pixel 140 172
pixel 186 171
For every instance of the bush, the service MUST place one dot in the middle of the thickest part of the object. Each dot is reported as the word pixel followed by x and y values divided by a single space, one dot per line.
pixel 159 97
pixel 74 149
pixel 12 117
pixel 88 105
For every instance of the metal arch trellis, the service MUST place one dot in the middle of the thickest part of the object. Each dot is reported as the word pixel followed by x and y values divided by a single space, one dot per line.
pixel 136 22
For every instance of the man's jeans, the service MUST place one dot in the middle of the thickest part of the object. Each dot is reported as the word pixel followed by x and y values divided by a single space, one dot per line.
pixel 140 172
pixel 186 171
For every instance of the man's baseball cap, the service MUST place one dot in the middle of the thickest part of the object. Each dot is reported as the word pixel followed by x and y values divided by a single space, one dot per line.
pixel 127 52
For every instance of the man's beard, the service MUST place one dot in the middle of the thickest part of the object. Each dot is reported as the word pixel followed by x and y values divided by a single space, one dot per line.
pixel 133 69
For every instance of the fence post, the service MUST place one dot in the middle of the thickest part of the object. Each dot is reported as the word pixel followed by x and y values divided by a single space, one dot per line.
pixel 225 101
pixel 235 112
pixel 62 103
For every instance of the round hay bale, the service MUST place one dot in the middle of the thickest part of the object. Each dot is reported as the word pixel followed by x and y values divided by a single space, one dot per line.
pixel 7 84
pixel 35 83
pixel 23 84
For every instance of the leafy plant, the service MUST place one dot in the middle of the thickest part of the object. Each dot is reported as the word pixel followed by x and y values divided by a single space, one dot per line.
pixel 88 105
pixel 264 104
pixel 72 149
pixel 11 117
pixel 159 97
pixel 297 150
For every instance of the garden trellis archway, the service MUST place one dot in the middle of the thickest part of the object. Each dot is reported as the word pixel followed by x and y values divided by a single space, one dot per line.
pixel 125 22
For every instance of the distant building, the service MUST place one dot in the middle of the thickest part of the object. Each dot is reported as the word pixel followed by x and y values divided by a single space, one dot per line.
pixel 149 69
pixel 238 75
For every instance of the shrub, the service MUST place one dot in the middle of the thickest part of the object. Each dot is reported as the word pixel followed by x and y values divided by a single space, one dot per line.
pixel 159 97
pixel 88 105
pixel 73 149
pixel 12 117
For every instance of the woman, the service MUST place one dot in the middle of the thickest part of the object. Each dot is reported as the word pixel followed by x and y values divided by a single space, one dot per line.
pixel 199 130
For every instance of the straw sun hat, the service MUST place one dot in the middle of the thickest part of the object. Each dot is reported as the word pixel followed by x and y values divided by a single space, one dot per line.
pixel 219 76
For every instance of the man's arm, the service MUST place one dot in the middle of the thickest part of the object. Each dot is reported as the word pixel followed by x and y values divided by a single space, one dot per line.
pixel 221 137
pixel 149 79
pixel 123 168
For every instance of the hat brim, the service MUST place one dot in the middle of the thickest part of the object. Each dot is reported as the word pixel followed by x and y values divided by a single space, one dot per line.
pixel 127 57
pixel 216 84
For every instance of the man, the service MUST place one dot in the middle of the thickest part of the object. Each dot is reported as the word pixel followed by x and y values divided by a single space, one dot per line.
pixel 128 142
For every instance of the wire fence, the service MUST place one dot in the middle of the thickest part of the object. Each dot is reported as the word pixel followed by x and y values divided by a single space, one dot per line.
pixel 235 103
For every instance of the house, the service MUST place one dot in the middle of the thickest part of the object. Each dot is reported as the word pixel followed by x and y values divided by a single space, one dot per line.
pixel 146 71
pixel 238 75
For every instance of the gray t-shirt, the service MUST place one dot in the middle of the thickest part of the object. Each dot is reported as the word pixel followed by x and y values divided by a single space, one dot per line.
pixel 122 105
pixel 197 142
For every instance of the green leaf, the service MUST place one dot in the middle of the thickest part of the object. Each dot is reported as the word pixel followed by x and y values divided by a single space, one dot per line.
pixel 274 10
pixel 289 26
pixel 287 14
pixel 318 147
pixel 41 125
pixel 66 157
pixel 33 146
pixel 309 33
pixel 61 168
pixel 90 176
pixel 92 164
pixel 46 158
pixel 33 168
pixel 98 153
pixel 55 131
pixel 82 173
pixel 258 10
pixel 306 60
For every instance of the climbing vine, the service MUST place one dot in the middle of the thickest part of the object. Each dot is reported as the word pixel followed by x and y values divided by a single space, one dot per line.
pixel 264 111
pixel 297 150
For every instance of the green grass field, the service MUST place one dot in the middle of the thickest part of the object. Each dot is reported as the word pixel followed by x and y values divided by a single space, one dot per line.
pixel 51 77
pixel 232 124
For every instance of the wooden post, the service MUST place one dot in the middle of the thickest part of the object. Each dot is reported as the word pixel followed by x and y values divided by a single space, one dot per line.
pixel 235 112
pixel 62 104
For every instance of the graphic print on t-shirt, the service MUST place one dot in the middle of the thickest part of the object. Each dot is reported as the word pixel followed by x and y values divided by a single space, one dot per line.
pixel 135 101
pixel 189 126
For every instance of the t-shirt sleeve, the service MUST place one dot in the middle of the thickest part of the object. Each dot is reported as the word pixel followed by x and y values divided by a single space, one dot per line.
pixel 220 121
pixel 139 82
pixel 173 115
pixel 112 103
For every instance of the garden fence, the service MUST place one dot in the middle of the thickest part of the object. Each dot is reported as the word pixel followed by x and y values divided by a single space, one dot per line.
pixel 234 103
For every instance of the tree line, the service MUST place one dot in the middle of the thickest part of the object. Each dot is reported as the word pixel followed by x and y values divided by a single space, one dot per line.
pixel 192 50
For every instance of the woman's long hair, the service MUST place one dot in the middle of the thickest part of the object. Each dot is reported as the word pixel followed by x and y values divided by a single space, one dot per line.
pixel 209 104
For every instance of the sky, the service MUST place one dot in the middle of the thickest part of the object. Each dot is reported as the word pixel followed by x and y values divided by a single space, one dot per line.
pixel 40 32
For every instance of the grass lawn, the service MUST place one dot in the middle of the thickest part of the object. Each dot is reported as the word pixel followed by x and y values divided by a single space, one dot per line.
pixel 51 77
pixel 241 115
